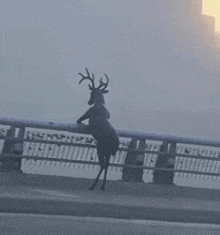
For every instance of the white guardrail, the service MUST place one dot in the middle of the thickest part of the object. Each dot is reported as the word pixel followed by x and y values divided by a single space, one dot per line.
pixel 75 128
pixel 158 154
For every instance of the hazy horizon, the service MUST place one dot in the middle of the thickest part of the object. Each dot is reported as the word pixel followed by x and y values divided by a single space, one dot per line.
pixel 164 71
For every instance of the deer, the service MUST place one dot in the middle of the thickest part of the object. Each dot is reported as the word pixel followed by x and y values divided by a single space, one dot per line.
pixel 107 141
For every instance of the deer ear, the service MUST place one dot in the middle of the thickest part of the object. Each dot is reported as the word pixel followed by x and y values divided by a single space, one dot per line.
pixel 90 88
pixel 105 91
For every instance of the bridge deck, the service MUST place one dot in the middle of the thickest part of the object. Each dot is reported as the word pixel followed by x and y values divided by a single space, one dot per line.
pixel 70 196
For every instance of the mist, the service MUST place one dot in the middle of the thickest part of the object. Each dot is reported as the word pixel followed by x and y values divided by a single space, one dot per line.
pixel 162 60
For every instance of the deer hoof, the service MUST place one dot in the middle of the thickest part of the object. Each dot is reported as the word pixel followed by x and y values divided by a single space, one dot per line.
pixel 102 188
pixel 92 187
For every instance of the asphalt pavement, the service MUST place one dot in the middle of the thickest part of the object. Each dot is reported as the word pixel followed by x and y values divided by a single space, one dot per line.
pixel 26 224
pixel 25 193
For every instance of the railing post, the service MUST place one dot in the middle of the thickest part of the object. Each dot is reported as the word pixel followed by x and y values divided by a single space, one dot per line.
pixel 133 158
pixel 165 160
pixel 128 174
pixel 140 161
pixel 18 150
pixel 171 163
pixel 159 176
pixel 10 147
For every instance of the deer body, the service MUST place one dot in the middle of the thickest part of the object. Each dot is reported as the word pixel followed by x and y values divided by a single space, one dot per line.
pixel 100 127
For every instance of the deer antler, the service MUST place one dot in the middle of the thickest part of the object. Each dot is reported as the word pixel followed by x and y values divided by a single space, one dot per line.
pixel 103 85
pixel 89 78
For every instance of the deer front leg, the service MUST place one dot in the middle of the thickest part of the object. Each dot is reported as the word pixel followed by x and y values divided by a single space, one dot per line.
pixel 79 121
pixel 83 117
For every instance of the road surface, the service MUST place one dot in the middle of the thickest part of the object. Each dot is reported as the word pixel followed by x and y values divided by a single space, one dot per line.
pixel 29 224
pixel 35 194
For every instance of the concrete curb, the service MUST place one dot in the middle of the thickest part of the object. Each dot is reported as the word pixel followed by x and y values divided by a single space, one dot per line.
pixel 53 207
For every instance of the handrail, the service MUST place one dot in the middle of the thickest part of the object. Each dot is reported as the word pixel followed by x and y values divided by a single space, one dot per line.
pixel 83 129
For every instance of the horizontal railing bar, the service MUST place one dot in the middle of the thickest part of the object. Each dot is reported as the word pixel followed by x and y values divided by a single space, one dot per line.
pixel 4 157
pixel 17 140
pixel 83 129
pixel 195 157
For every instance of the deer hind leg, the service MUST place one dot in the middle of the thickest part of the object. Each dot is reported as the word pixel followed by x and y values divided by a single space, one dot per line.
pixel 102 167
pixel 97 179
pixel 105 174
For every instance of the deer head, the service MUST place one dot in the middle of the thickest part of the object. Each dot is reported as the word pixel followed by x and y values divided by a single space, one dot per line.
pixel 96 92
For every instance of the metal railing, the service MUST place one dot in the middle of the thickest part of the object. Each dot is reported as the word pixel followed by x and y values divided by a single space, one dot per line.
pixel 54 144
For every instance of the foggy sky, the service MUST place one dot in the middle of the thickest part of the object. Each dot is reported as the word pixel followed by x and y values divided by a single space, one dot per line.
pixel 160 80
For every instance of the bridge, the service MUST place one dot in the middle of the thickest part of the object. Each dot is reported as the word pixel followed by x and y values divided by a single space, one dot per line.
pixel 148 167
